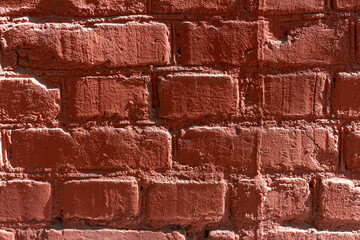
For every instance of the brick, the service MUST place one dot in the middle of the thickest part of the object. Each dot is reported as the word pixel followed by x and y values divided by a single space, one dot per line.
pixel 5 235
pixel 99 148
pixel 338 201
pixel 235 41
pixel 284 233
pixel 221 235
pixel 287 199
pixel 346 5
pixel 295 95
pixel 185 202
pixel 191 96
pixel 18 7
pixel 71 46
pixel 84 8
pixel 275 7
pixel 24 201
pixel 345 97
pixel 102 199
pixel 289 233
pixel 351 151
pixel 107 97
pixel 228 149
pixel 246 202
pixel 107 234
pixel 296 45
pixel 27 101
pixel 291 149
pixel 193 7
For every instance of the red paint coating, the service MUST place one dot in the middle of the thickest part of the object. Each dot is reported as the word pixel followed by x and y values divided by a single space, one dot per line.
pixel 179 120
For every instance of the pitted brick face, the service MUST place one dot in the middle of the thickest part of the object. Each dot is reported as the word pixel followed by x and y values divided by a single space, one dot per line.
pixel 179 119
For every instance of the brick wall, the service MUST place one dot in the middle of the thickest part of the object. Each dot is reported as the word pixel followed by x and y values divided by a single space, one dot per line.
pixel 175 119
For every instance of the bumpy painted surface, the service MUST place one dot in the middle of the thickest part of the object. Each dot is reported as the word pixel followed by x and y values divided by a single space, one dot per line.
pixel 180 119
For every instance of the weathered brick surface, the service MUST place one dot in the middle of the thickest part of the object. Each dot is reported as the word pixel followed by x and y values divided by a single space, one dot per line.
pixel 338 201
pixel 185 202
pixel 99 199
pixel 111 234
pixel 289 149
pixel 297 45
pixel 288 200
pixel 179 119
pixel 102 148
pixel 25 201
pixel 294 95
pixel 235 41
pixel 72 46
pixel 278 7
pixel 27 101
pixel 193 96
pixel 116 97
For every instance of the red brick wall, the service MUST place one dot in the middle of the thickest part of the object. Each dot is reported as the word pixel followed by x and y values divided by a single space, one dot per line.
pixel 179 119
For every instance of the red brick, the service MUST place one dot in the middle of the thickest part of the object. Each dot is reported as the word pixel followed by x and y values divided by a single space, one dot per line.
pixel 227 149
pixel 338 201
pixel 285 233
pixel 294 95
pixel 246 202
pixel 27 101
pixel 18 7
pixel 185 202
pixel 24 201
pixel 221 235
pixel 297 46
pixel 99 199
pixel 345 97
pixel 99 148
pixel 346 5
pixel 291 6
pixel 289 149
pixel 70 234
pixel 71 46
pixel 102 97
pixel 193 7
pixel 232 42
pixel 191 96
pixel 287 199
pixel 351 151
pixel 85 8
pixel 4 235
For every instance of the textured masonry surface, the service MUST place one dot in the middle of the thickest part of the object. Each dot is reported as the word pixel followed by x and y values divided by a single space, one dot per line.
pixel 180 119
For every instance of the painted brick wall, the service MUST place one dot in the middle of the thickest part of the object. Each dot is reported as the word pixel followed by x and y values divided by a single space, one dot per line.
pixel 180 119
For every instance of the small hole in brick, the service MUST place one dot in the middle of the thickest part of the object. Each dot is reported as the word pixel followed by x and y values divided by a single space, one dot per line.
pixel 310 185
pixel 334 80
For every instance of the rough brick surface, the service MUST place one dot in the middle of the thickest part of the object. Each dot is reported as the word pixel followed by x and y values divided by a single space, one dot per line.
pixel 296 46
pixel 99 199
pixel 116 97
pixel 23 201
pixel 59 44
pixel 288 200
pixel 27 101
pixel 278 7
pixel 310 149
pixel 111 234
pixel 338 202
pixel 293 95
pixel 186 202
pixel 345 96
pixel 102 148
pixel 193 96
pixel 236 43
pixel 179 119
pixel 226 148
